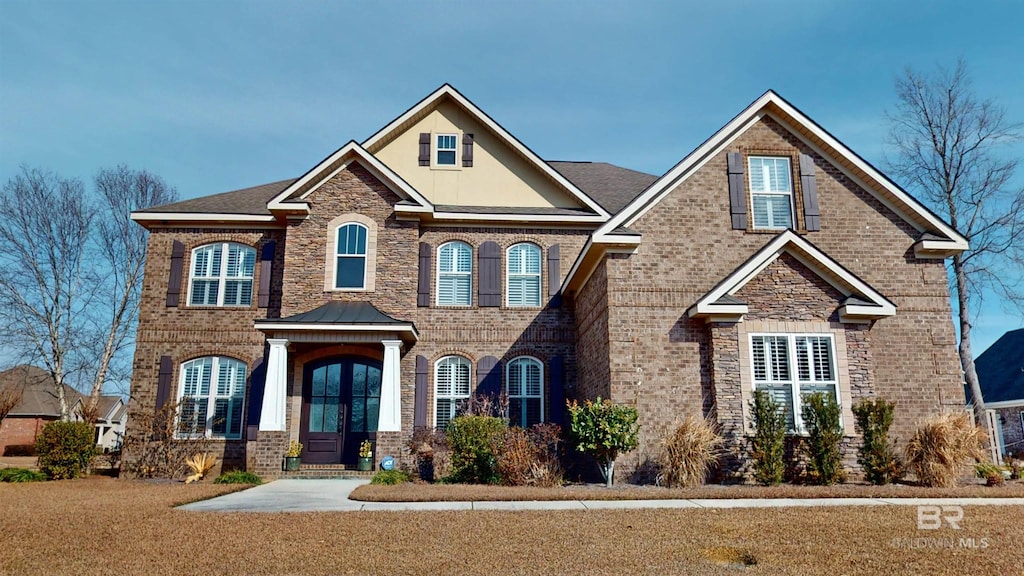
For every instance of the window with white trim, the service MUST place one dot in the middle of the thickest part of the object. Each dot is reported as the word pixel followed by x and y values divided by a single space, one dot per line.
pixel 791 366
pixel 771 192
pixel 211 395
pixel 350 257
pixel 524 384
pixel 222 275
pixel 451 388
pixel 446 148
pixel 522 275
pixel 455 274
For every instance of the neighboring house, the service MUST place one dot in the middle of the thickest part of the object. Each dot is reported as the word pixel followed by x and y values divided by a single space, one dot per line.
pixel 441 257
pixel 38 407
pixel 111 417
pixel 1001 373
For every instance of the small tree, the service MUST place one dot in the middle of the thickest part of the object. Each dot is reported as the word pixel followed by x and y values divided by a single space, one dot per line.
pixel 10 396
pixel 877 454
pixel 769 448
pixel 604 430
pixel 821 415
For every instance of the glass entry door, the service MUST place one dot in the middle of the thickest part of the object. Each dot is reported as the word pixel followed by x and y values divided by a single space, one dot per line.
pixel 340 408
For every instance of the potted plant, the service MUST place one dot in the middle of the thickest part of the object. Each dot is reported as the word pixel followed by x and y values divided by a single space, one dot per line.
pixel 291 457
pixel 365 456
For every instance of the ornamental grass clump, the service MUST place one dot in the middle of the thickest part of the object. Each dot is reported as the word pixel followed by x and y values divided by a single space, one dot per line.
pixel 689 452
pixel 821 414
pixel 942 446
pixel 200 465
pixel 877 453
pixel 768 446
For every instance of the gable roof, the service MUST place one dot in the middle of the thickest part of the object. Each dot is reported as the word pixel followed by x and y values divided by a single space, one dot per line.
pixel 108 408
pixel 613 186
pixel 39 397
pixel 862 302
pixel 446 91
pixel 1001 369
pixel 856 168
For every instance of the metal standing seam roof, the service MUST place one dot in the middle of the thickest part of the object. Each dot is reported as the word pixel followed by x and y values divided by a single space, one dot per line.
pixel 337 312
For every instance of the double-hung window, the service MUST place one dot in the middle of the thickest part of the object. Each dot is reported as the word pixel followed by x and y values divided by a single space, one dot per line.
pixel 451 387
pixel 211 395
pixel 523 275
pixel 446 148
pixel 771 192
pixel 524 383
pixel 350 264
pixel 455 274
pixel 791 366
pixel 222 275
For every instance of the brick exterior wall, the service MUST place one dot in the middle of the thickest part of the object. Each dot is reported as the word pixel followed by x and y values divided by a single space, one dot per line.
pixel 21 430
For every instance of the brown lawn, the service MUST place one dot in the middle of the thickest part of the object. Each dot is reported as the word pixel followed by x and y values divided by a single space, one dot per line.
pixel 107 526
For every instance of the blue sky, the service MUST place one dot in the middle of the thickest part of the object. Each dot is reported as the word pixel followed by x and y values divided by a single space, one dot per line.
pixel 218 95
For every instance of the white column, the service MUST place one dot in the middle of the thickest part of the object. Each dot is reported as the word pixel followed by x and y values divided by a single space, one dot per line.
pixel 390 389
pixel 275 392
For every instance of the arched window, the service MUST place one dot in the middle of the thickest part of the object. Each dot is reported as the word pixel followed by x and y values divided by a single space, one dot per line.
pixel 451 386
pixel 350 263
pixel 222 275
pixel 524 383
pixel 211 395
pixel 455 274
pixel 522 275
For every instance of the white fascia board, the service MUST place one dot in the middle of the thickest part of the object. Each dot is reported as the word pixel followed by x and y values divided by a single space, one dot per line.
pixel 334 327
pixel 576 266
pixel 199 217
pixel 706 309
pixel 508 138
pixel 620 239
pixel 938 249
pixel 416 209
pixel 516 217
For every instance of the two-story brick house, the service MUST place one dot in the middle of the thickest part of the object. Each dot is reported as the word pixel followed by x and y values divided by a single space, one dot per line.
pixel 441 257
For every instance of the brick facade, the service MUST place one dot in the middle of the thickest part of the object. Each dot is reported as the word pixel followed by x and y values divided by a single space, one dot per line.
pixel 21 430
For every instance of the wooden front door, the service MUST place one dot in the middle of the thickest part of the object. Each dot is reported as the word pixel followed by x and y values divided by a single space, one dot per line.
pixel 340 408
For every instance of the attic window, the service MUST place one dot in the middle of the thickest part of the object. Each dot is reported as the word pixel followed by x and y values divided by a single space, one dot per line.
pixel 446 147
pixel 771 191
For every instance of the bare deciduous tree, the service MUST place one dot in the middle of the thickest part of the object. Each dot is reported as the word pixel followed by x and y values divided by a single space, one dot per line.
pixel 10 396
pixel 71 271
pixel 949 150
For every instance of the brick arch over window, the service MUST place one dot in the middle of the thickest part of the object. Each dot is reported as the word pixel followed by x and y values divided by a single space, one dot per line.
pixel 330 263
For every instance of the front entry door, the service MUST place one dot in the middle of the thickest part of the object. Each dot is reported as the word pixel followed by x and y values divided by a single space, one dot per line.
pixel 340 407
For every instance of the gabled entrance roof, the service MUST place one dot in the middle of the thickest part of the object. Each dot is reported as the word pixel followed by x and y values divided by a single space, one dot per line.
pixel 338 316
pixel 862 303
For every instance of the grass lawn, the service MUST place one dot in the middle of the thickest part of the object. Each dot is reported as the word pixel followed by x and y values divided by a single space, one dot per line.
pixel 107 526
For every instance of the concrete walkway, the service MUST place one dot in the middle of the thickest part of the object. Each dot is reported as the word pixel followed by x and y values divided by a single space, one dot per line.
pixel 332 496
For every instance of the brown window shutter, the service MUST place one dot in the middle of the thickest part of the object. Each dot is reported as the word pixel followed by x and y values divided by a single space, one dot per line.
pixel 556 391
pixel 423 288
pixel 266 268
pixel 554 276
pixel 163 382
pixel 424 148
pixel 174 279
pixel 737 192
pixel 489 273
pixel 467 150
pixel 419 419
pixel 812 214
pixel 488 377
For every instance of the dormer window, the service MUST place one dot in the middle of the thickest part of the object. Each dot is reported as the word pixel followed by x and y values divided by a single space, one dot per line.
pixel 446 147
pixel 771 192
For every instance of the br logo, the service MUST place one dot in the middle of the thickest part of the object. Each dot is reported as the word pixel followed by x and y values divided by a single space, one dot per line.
pixel 930 517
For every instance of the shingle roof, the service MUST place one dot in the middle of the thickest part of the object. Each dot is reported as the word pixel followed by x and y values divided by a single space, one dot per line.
pixel 612 186
pixel 245 201
pixel 39 397
pixel 1001 369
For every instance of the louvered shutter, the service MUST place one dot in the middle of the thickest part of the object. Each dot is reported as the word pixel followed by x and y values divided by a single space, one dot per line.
pixel 554 276
pixel 424 157
pixel 266 265
pixel 488 377
pixel 174 278
pixel 163 382
pixel 419 419
pixel 467 150
pixel 423 287
pixel 812 214
pixel 489 265
pixel 557 390
pixel 737 193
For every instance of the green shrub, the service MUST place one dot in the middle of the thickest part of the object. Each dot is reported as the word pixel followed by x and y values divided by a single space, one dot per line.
pixel 877 454
pixel 604 430
pixel 391 477
pixel 238 477
pixel 769 448
pixel 65 449
pixel 471 440
pixel 824 433
pixel 20 475
pixel 689 452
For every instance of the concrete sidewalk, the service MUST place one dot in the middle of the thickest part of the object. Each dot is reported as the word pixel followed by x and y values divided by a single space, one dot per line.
pixel 333 496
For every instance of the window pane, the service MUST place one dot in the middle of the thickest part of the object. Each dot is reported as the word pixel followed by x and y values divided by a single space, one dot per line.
pixel 373 382
pixel 533 411
pixel 783 395
pixel 515 412
pixel 350 272
pixel 330 415
pixel 220 417
pixel 334 380
pixel 316 414
pixel 445 410
pixel 446 158
pixel 359 380
pixel 372 414
pixel 319 381
pixel 772 211
pixel 358 415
